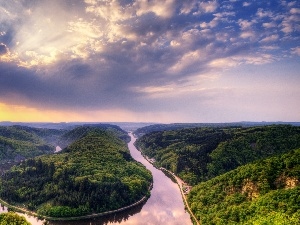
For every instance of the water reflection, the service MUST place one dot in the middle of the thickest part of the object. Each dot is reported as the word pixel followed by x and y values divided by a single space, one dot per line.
pixel 165 205
pixel 117 218
pixel 3 209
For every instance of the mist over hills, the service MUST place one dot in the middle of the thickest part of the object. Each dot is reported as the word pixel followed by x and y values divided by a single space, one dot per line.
pixel 142 126
pixel 127 126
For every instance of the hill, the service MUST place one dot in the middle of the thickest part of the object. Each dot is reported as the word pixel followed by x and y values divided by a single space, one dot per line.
pixel 177 126
pixel 265 192
pixel 21 142
pixel 80 131
pixel 96 173
pixel 198 154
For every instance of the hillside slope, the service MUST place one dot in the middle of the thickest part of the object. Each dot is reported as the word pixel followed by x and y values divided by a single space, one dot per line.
pixel 80 131
pixel 265 192
pixel 96 173
pixel 198 154
pixel 20 142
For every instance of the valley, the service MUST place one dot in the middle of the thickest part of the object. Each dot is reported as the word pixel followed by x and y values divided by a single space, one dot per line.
pixel 237 175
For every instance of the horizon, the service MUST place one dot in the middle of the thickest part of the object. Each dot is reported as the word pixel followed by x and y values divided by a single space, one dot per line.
pixel 116 122
pixel 152 61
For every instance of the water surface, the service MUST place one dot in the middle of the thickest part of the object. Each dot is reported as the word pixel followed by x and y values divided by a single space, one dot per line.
pixel 165 205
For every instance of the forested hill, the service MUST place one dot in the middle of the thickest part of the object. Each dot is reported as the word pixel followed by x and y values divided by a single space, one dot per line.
pixel 96 173
pixel 20 142
pixel 265 192
pixel 83 130
pixel 177 126
pixel 198 154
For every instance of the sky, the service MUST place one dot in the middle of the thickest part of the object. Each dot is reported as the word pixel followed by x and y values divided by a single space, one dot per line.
pixel 149 60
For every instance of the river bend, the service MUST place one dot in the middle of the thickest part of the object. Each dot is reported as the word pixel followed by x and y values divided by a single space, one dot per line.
pixel 165 205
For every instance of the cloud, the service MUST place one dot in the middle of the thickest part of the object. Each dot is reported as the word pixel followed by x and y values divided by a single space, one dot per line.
pixel 296 51
pixel 295 11
pixel 244 24
pixel 264 13
pixel 247 34
pixel 3 49
pixel 270 47
pixel 163 8
pixel 188 6
pixel 114 54
pixel 289 24
pixel 269 25
pixel 209 6
pixel 271 38
pixel 245 4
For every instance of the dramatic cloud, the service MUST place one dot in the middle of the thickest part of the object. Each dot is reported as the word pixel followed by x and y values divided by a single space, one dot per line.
pixel 138 55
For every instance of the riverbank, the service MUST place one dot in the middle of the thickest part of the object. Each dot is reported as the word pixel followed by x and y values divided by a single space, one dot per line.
pixel 90 216
pixel 164 206
pixel 178 181
pixel 180 184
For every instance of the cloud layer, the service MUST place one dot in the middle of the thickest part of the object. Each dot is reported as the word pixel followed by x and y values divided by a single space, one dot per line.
pixel 141 55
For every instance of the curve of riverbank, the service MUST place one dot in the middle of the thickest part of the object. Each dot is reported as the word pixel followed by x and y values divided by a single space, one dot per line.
pixel 164 206
pixel 94 215
pixel 180 184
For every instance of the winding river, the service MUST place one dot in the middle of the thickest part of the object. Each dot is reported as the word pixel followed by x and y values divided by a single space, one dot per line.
pixel 165 206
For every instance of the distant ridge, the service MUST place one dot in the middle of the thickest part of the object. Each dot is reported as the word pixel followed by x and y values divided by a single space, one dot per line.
pixel 127 126
pixel 175 126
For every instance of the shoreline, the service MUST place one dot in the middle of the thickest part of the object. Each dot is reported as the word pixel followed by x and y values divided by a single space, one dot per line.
pixel 73 218
pixel 179 183
pixel 90 216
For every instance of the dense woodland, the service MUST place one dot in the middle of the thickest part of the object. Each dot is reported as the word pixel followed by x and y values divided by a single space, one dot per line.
pixel 80 131
pixel 178 126
pixel 242 175
pixel 199 154
pixel 11 218
pixel 96 173
pixel 20 142
pixel 265 192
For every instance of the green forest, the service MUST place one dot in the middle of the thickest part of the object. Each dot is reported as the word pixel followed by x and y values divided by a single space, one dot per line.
pixel 11 218
pixel 241 175
pixel 95 173
pixel 199 154
pixel 78 132
pixel 20 142
pixel 265 192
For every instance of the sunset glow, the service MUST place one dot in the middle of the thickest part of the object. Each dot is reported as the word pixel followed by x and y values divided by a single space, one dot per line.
pixel 151 61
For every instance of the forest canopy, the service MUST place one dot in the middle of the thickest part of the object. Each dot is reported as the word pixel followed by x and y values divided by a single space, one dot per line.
pixel 96 173
pixel 11 218
pixel 20 142
pixel 199 154
pixel 242 175
pixel 265 192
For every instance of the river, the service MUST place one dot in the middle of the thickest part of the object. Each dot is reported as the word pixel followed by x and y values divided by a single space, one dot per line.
pixel 165 205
